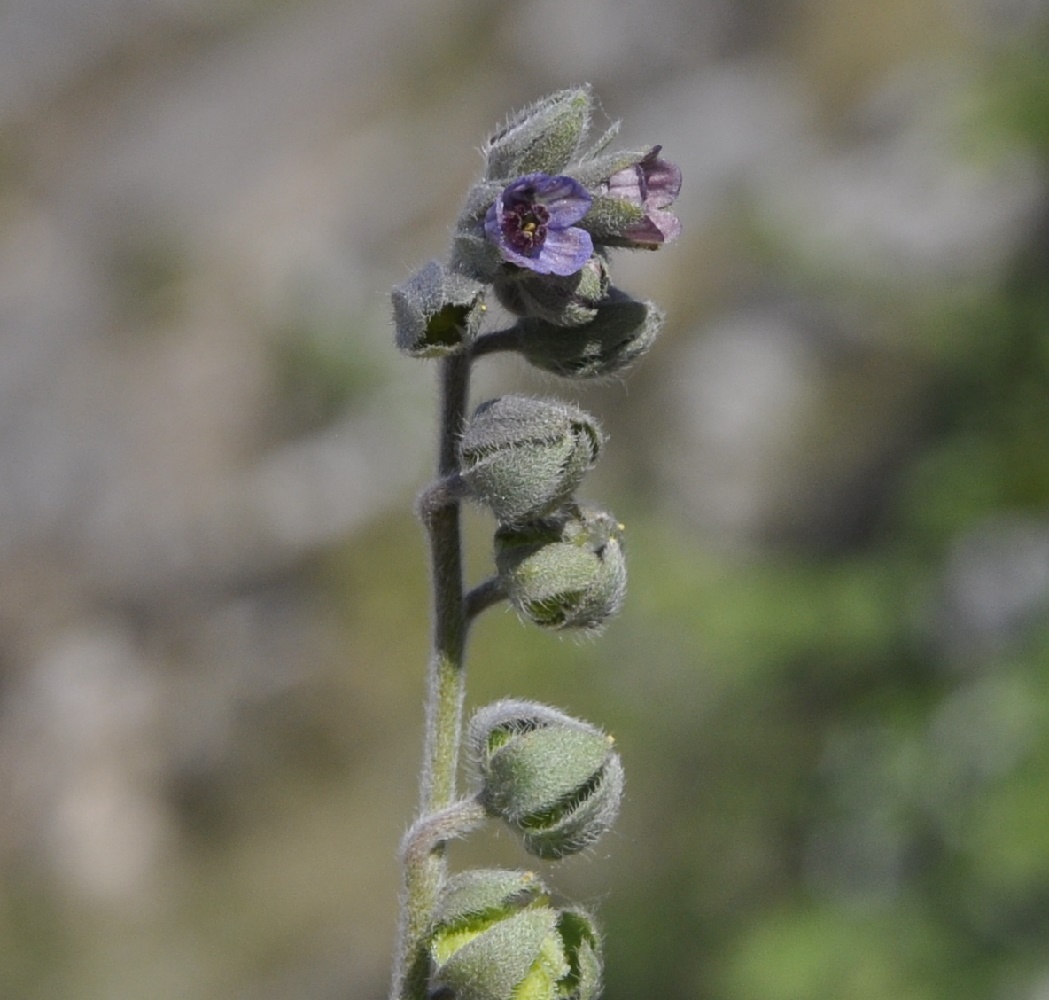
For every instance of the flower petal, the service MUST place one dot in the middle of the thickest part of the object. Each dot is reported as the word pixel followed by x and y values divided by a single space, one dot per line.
pixel 667 223
pixel 663 180
pixel 531 222
pixel 564 252
pixel 626 184
pixel 645 233
pixel 564 198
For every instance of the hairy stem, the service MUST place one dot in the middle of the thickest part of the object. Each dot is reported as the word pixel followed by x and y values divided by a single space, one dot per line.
pixel 424 872
pixel 482 597
pixel 457 820
pixel 496 341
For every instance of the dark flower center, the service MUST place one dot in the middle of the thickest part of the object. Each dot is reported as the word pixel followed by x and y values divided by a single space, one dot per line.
pixel 524 225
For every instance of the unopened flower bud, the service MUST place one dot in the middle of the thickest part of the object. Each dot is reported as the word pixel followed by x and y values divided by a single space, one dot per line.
pixel 543 137
pixel 566 571
pixel 554 779
pixel 621 330
pixel 558 301
pixel 496 937
pixel 523 457
pixel 436 312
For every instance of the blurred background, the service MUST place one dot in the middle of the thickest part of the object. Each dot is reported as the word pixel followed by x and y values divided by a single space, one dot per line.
pixel 830 684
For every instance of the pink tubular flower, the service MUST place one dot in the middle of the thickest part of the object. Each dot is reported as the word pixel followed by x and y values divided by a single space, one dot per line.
pixel 652 184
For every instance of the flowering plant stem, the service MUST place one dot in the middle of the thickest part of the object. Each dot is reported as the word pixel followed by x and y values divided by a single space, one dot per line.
pixel 533 233
pixel 424 871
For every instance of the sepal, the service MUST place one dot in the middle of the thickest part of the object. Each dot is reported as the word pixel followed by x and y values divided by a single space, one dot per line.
pixel 542 138
pixel 554 779
pixel 473 255
pixel 611 219
pixel 492 958
pixel 565 571
pixel 594 171
pixel 583 951
pixel 437 312
pixel 523 457
pixel 471 895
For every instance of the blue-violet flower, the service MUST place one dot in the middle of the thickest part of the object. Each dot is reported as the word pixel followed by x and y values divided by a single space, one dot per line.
pixel 533 224
pixel 652 184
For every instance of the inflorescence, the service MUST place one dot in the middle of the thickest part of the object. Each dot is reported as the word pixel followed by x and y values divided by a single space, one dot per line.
pixel 535 232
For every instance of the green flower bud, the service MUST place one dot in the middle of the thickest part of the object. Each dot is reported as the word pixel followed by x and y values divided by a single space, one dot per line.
pixel 523 457
pixel 542 138
pixel 566 571
pixel 561 302
pixel 436 312
pixel 496 937
pixel 621 330
pixel 554 779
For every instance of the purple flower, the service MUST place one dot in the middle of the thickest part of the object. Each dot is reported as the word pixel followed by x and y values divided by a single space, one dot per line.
pixel 533 224
pixel 652 184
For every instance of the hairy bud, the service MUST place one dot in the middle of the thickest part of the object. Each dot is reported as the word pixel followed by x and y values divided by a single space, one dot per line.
pixel 523 457
pixel 554 779
pixel 543 137
pixel 621 331
pixel 436 312
pixel 496 937
pixel 559 301
pixel 565 571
